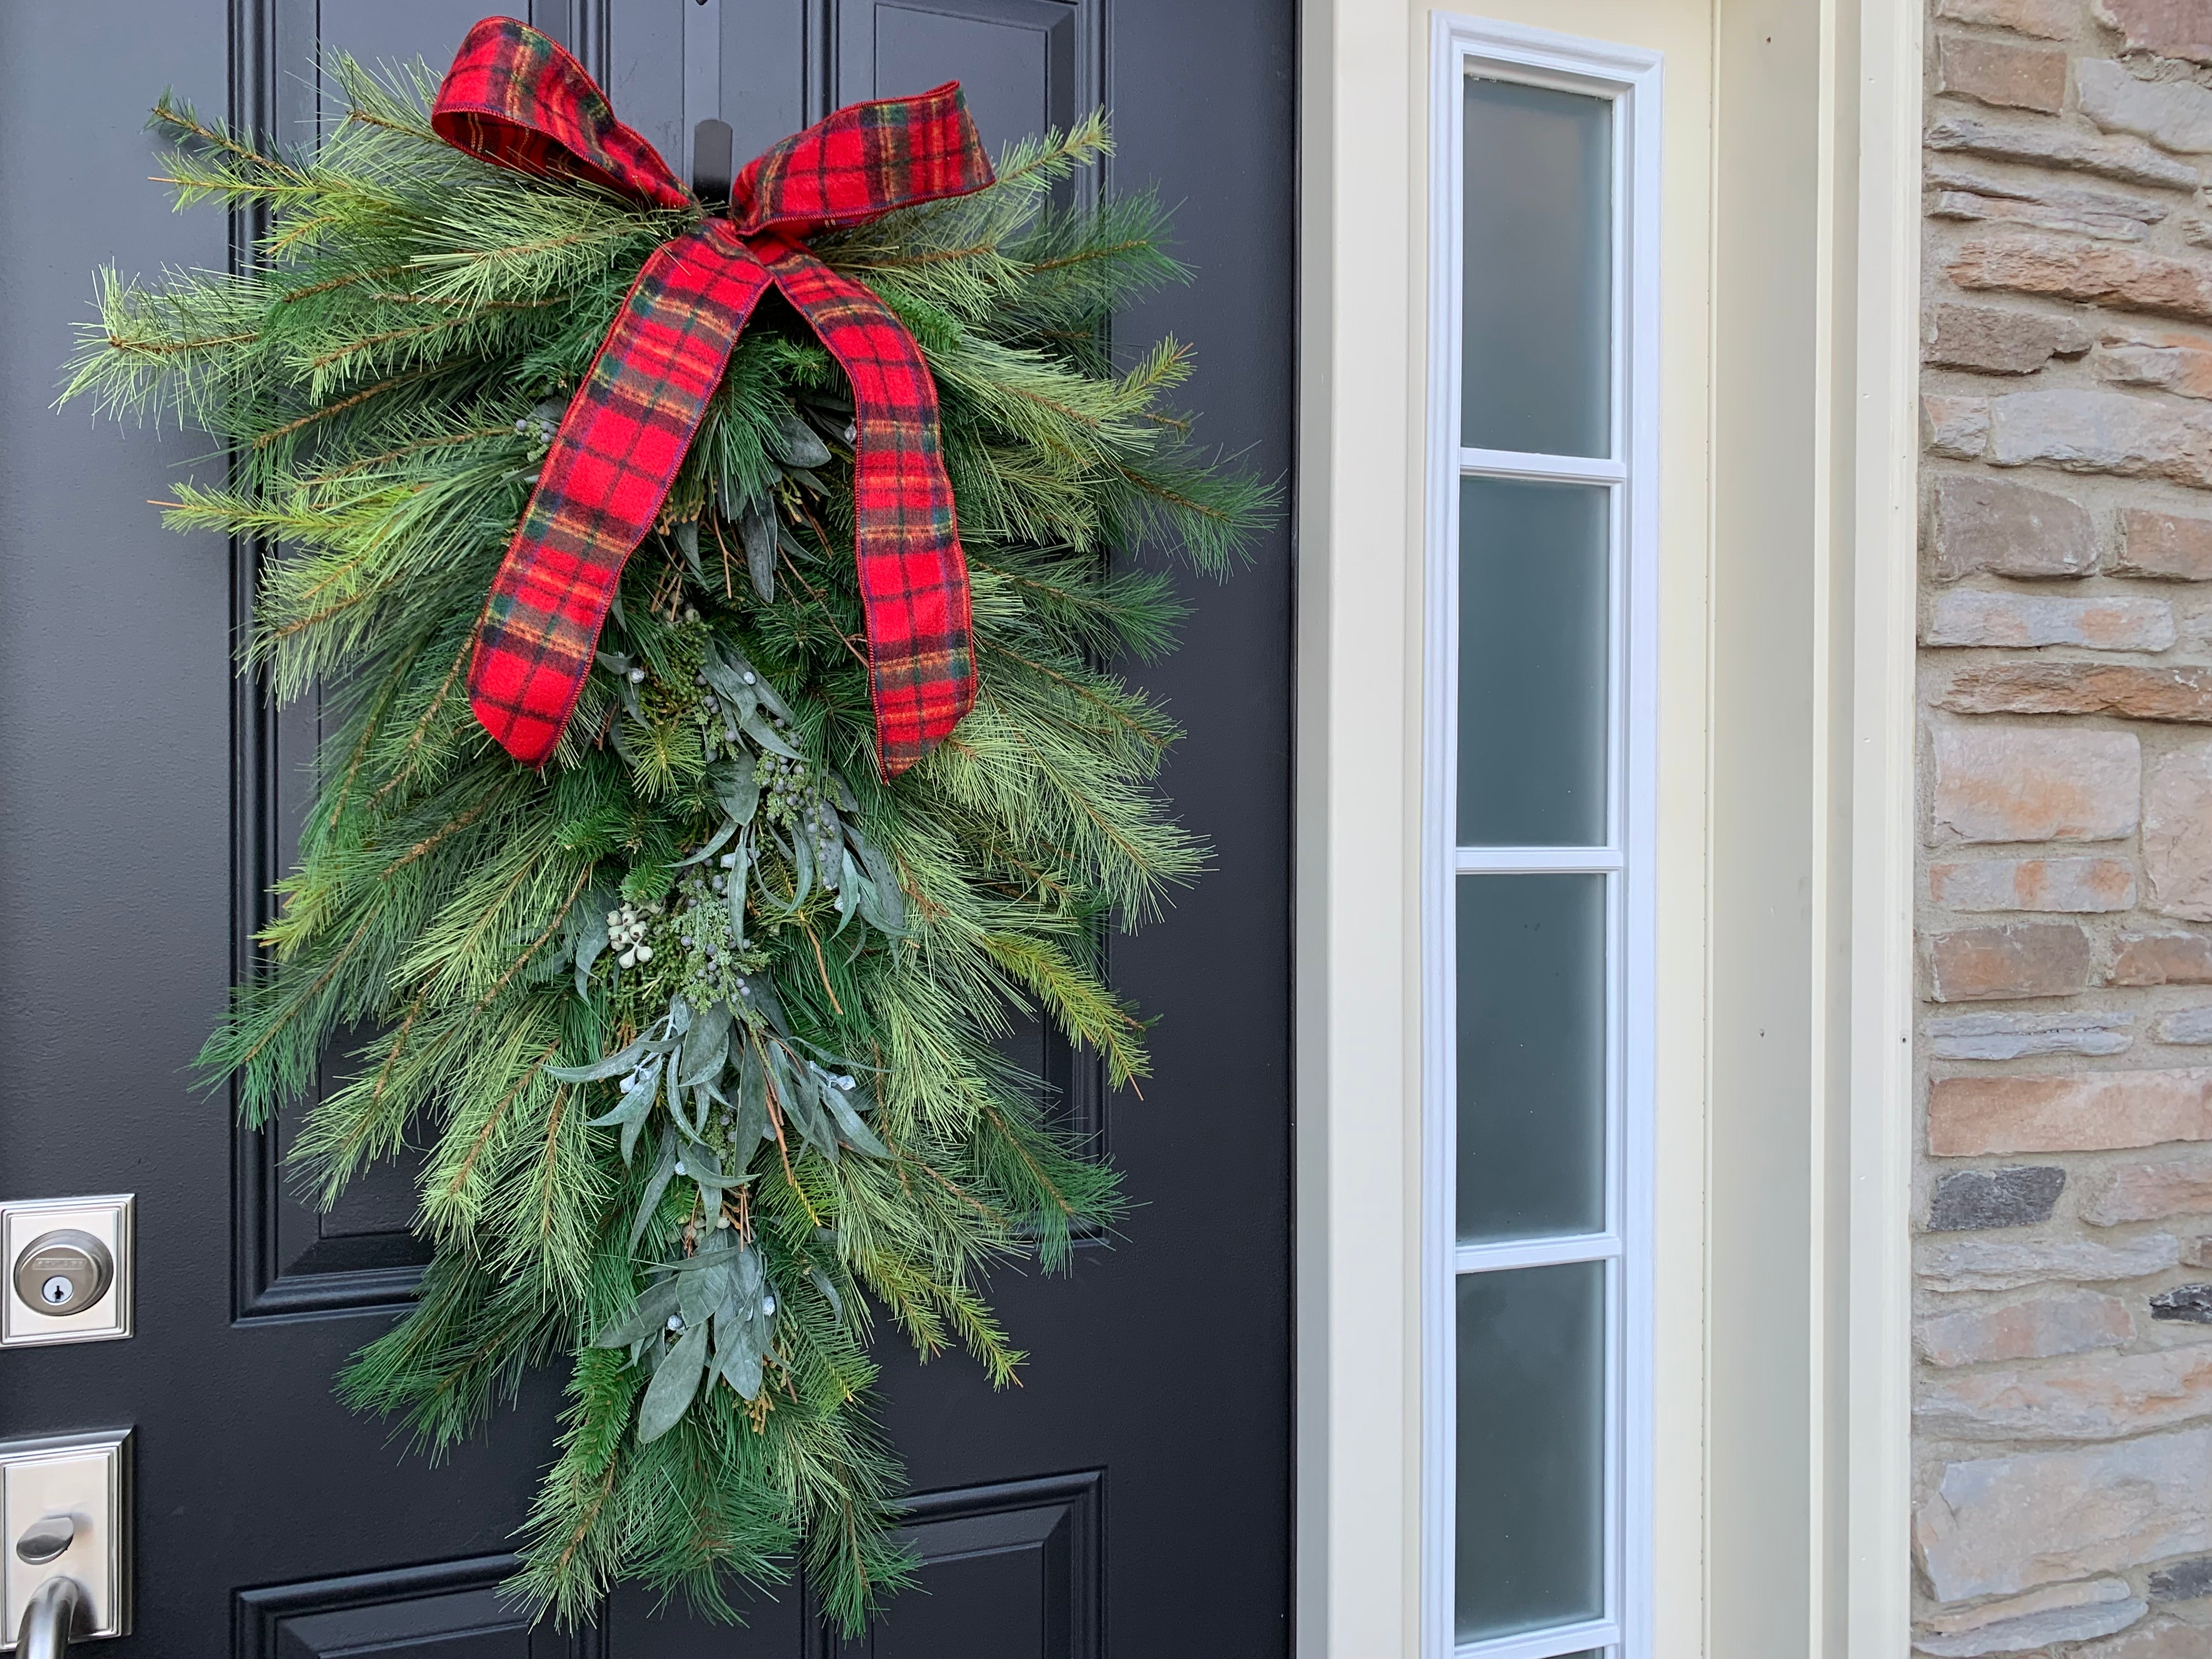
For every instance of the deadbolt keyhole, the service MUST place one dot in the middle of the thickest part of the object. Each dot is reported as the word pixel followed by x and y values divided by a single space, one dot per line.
pixel 63 1272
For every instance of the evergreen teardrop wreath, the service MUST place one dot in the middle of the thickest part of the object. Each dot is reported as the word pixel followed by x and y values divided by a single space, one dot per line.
pixel 697 1022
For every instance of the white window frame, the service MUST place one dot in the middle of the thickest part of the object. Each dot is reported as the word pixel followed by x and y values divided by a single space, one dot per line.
pixel 1630 78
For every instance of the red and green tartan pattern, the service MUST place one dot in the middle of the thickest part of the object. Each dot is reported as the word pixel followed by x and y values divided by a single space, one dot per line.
pixel 845 168
pixel 515 98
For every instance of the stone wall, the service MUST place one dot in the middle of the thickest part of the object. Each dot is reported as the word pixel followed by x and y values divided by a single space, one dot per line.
pixel 2063 1307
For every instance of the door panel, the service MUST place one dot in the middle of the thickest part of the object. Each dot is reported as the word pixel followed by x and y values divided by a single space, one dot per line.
pixel 450 1610
pixel 1132 1495
pixel 1015 59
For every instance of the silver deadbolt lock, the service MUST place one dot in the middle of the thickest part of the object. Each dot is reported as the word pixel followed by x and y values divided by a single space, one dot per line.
pixel 63 1272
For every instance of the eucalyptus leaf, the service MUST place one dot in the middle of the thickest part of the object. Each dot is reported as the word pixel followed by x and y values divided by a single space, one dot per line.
pixel 738 873
pixel 706 1045
pixel 802 862
pixel 752 1102
pixel 704 1170
pixel 758 685
pixel 756 529
pixel 849 883
pixel 686 535
pixel 719 841
pixel 759 535
pixel 872 909
pixel 768 738
pixel 705 1290
pixel 737 699
pixel 633 1127
pixel 591 942
pixel 738 1354
pixel 635 1105
pixel 795 1087
pixel 762 996
pixel 600 1070
pixel 796 443
pixel 858 1135
pixel 737 786
pixel 890 898
pixel 648 1318
pixel 669 1393
pixel 744 1326
pixel 675 1098
pixel 664 1171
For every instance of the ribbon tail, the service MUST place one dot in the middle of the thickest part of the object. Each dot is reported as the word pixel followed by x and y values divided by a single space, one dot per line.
pixel 609 470
pixel 913 578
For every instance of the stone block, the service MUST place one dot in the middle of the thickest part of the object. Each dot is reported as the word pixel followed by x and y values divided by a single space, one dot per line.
pixel 2175 115
pixel 2177 832
pixel 2179 363
pixel 2018 959
pixel 2064 1613
pixel 2125 278
pixel 1998 339
pixel 2019 1196
pixel 1948 1265
pixel 2007 783
pixel 2076 886
pixel 2171 29
pixel 2155 1638
pixel 2178 694
pixel 2191 1026
pixel 2162 959
pixel 2147 1191
pixel 2106 432
pixel 2129 161
pixel 1961 204
pixel 2189 1304
pixel 1998 1525
pixel 2095 1111
pixel 2046 20
pixel 2019 1037
pixel 1957 427
pixel 2071 1322
pixel 1981 617
pixel 2054 191
pixel 2183 1581
pixel 2103 1397
pixel 1977 523
pixel 2164 545
pixel 2008 77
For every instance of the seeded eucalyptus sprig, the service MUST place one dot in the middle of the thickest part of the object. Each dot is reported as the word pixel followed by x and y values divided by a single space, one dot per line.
pixel 701 1022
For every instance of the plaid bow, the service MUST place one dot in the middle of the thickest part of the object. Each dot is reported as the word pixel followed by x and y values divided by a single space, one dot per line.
pixel 517 99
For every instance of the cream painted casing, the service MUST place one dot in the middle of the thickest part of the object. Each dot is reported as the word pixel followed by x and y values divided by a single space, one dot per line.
pixel 1786 304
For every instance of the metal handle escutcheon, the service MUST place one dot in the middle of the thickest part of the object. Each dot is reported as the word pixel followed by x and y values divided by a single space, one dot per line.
pixel 49 1618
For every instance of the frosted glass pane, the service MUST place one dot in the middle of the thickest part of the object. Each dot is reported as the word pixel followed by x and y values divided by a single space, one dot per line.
pixel 1531 1472
pixel 1532 983
pixel 1534 613
pixel 1537 291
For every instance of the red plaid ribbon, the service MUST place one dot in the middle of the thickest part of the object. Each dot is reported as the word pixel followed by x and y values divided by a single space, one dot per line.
pixel 515 98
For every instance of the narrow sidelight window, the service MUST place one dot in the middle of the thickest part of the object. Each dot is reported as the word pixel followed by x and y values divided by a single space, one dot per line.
pixel 1537 906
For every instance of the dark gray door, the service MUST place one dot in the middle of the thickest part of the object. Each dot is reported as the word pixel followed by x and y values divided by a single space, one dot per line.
pixel 1134 1497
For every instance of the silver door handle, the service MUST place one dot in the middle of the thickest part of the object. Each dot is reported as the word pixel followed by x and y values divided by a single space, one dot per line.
pixel 49 1618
